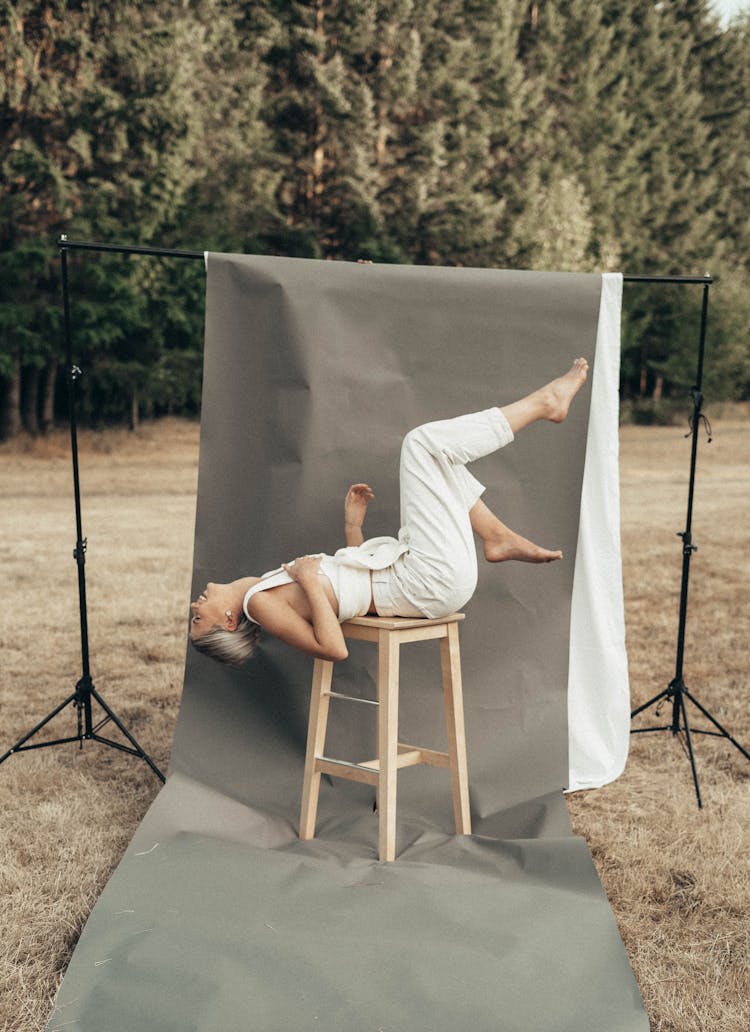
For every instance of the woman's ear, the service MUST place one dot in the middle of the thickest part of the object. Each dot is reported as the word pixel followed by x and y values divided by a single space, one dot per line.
pixel 232 622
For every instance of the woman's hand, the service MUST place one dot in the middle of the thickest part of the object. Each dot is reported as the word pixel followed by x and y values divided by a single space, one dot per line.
pixel 355 504
pixel 304 569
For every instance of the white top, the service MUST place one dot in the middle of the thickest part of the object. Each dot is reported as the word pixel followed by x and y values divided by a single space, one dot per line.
pixel 348 571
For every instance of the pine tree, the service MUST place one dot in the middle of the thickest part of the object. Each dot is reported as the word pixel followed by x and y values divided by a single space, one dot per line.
pixel 574 53
pixel 459 133
pixel 727 112
pixel 103 115
pixel 518 134
pixel 722 58
pixel 234 170
pixel 320 114
pixel 628 92
pixel 434 146
pixel 404 130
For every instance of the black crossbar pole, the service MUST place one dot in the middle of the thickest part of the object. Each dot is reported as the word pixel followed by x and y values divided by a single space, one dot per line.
pixel 157 252
pixel 166 252
pixel 668 279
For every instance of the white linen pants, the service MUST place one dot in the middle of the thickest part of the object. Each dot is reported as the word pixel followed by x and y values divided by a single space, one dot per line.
pixel 438 574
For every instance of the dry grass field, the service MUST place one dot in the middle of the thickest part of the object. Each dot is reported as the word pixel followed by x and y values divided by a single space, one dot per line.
pixel 678 878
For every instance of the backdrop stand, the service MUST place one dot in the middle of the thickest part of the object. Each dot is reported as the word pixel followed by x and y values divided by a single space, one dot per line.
pixel 85 691
pixel 676 691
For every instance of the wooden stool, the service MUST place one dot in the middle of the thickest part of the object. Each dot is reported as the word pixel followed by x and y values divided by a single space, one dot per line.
pixel 389 633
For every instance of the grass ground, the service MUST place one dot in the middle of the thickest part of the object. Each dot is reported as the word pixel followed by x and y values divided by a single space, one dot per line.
pixel 678 878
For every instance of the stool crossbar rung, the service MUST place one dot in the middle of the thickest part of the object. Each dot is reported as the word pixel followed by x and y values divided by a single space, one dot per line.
pixel 351 698
pixel 345 769
pixel 411 756
pixel 389 633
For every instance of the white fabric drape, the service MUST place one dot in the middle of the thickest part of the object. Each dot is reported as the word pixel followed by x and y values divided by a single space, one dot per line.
pixel 598 686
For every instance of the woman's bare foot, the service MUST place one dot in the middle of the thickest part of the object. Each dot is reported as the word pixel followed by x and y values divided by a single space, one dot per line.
pixel 550 402
pixel 561 391
pixel 502 547
pixel 501 543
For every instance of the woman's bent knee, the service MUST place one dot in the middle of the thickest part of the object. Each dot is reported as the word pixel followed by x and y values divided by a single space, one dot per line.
pixel 417 443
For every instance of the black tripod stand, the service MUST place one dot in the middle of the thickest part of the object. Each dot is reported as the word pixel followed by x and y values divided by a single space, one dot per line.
pixel 676 692
pixel 85 692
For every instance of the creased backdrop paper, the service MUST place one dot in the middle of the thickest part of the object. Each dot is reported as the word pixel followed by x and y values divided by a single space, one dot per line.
pixel 218 917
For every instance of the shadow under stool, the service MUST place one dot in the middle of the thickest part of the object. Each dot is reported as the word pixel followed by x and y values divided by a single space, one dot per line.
pixel 389 633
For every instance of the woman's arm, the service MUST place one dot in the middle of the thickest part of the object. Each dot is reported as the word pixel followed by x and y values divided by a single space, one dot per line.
pixel 355 508
pixel 324 639
pixel 279 619
pixel 353 534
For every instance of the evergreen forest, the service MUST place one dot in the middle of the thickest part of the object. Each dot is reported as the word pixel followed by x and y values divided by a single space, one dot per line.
pixel 609 136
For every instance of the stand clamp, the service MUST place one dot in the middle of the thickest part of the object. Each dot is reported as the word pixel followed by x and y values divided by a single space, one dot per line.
pixel 687 545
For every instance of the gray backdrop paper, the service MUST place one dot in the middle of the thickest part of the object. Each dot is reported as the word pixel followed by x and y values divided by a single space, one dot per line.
pixel 218 917
pixel 316 372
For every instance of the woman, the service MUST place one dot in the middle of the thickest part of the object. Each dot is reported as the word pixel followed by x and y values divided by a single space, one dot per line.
pixel 429 571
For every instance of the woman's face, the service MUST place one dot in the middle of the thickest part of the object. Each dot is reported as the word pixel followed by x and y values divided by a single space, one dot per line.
pixel 209 610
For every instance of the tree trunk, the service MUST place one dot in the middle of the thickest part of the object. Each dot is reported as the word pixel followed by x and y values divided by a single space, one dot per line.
pixel 30 402
pixel 134 410
pixel 48 396
pixel 658 387
pixel 10 414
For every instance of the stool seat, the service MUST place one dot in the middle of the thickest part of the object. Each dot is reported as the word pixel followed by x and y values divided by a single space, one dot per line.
pixel 389 633
pixel 400 623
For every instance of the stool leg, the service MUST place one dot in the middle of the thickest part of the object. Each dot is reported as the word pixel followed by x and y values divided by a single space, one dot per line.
pixel 450 661
pixel 316 740
pixel 388 663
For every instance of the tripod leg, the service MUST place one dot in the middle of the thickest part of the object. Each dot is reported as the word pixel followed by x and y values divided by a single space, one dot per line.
pixel 39 726
pixel 136 747
pixel 651 702
pixel 724 732
pixel 690 749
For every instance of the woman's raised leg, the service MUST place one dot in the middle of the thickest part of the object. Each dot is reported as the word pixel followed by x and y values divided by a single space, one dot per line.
pixel 549 402
pixel 501 543
pixel 440 504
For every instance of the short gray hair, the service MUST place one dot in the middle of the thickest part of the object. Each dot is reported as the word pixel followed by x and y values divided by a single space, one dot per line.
pixel 232 647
